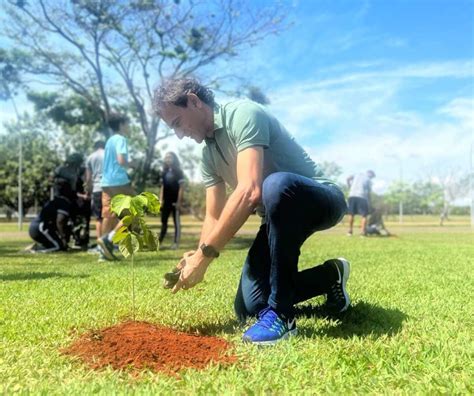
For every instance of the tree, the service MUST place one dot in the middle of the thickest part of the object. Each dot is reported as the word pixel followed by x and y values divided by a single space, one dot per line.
pixel 455 185
pixel 331 170
pixel 400 192
pixel 39 160
pixel 78 123
pixel 256 94
pixel 429 197
pixel 189 160
pixel 109 51
pixel 10 77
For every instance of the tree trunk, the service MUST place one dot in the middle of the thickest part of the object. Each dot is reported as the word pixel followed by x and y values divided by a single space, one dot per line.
pixel 149 155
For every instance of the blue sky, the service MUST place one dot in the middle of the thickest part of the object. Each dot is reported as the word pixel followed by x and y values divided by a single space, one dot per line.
pixel 386 85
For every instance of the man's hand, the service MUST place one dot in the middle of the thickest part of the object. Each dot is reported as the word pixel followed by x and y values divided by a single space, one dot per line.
pixel 186 255
pixel 194 266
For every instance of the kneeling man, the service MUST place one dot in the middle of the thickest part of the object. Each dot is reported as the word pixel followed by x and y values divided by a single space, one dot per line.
pixel 248 149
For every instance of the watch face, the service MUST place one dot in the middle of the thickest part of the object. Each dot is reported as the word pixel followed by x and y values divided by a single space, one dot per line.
pixel 206 251
pixel 209 251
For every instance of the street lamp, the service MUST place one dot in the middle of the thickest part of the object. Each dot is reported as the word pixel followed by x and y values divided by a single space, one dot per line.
pixel 400 202
pixel 471 184
pixel 20 171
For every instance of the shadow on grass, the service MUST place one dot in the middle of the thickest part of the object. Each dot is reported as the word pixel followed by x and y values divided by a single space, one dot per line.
pixel 186 244
pixel 13 249
pixel 362 320
pixel 22 276
pixel 230 326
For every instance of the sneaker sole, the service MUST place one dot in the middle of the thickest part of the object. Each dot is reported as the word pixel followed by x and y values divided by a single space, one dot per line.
pixel 106 252
pixel 345 276
pixel 288 334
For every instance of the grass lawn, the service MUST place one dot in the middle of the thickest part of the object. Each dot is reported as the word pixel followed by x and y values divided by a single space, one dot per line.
pixel 410 329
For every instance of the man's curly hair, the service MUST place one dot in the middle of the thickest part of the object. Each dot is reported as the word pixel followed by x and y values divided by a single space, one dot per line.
pixel 175 91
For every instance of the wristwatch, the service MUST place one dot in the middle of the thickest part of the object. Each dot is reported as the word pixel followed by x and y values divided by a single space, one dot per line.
pixel 209 251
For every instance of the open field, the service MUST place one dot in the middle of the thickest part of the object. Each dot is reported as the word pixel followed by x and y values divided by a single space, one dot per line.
pixel 409 330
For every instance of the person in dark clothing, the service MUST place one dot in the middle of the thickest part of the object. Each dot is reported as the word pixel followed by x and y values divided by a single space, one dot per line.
pixel 171 196
pixel 66 177
pixel 50 228
pixel 376 225
pixel 82 213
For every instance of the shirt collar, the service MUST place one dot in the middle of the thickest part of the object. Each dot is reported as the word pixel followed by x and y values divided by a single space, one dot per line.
pixel 218 122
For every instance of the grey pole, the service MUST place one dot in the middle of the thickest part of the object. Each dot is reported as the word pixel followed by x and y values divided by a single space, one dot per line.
pixel 20 173
pixel 20 186
pixel 400 206
pixel 471 184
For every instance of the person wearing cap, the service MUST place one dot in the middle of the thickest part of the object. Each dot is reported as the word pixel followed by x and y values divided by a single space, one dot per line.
pixel 250 151
pixel 360 187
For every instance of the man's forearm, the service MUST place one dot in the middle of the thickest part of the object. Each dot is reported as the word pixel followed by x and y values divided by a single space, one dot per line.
pixel 207 227
pixel 237 210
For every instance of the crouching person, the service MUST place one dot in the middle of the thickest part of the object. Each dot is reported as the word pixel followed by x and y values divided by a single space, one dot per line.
pixel 50 228
pixel 249 150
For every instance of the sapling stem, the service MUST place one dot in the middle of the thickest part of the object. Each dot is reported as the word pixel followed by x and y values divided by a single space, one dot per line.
pixel 133 287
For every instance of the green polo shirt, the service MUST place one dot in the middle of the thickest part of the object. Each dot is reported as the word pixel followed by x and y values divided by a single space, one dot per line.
pixel 242 124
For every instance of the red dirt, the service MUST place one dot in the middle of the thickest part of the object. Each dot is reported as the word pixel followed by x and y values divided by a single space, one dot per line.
pixel 141 345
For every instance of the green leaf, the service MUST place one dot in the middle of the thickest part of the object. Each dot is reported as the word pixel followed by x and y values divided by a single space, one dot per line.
pixel 135 243
pixel 120 235
pixel 120 203
pixel 150 238
pixel 153 204
pixel 138 205
pixel 125 246
pixel 127 220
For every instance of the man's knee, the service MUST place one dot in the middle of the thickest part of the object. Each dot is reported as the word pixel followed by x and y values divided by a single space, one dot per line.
pixel 242 312
pixel 273 190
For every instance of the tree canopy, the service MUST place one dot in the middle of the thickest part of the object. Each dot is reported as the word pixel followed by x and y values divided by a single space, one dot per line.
pixel 111 52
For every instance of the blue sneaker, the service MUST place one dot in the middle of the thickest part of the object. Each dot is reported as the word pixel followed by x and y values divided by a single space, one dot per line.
pixel 107 248
pixel 270 328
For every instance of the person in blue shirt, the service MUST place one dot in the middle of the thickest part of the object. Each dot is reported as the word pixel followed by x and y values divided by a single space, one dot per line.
pixel 115 179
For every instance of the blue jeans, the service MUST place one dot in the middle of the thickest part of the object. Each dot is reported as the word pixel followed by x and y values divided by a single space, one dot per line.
pixel 295 208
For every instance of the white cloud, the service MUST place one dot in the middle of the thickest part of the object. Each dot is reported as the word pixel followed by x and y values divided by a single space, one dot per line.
pixel 360 121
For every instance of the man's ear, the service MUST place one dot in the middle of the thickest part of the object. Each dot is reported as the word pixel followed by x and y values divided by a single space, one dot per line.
pixel 194 100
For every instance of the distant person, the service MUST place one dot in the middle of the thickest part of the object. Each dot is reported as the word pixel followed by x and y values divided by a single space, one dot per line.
pixel 171 196
pixel 82 214
pixel 50 229
pixel 359 199
pixel 94 164
pixel 67 175
pixel 70 176
pixel 115 179
pixel 376 225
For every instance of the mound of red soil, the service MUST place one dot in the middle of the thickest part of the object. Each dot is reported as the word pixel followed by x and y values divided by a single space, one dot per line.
pixel 141 345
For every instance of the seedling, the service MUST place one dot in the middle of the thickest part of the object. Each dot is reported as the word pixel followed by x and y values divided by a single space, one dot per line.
pixel 134 235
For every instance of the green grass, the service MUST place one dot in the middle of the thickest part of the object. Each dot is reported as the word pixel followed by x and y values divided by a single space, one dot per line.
pixel 410 329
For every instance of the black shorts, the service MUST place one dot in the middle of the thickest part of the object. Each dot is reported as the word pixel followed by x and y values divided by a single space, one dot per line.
pixel 96 205
pixel 358 206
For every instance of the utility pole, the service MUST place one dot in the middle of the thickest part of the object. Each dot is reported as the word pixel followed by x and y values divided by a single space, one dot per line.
pixel 400 205
pixel 20 172
pixel 471 182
